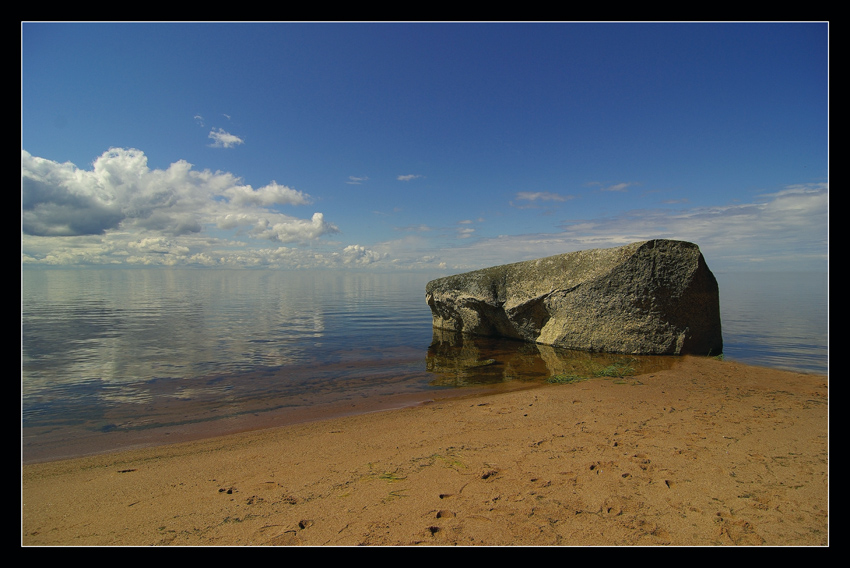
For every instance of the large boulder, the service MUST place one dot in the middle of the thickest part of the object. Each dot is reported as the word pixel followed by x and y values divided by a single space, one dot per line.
pixel 652 297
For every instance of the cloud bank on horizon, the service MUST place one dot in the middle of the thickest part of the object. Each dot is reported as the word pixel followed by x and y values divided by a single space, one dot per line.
pixel 422 146
pixel 122 212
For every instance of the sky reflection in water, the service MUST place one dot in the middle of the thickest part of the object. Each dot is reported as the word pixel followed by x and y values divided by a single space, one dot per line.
pixel 106 353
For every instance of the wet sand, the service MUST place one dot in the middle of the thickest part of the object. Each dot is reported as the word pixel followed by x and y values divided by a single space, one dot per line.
pixel 705 453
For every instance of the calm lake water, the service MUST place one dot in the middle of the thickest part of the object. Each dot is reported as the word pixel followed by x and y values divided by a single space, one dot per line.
pixel 117 358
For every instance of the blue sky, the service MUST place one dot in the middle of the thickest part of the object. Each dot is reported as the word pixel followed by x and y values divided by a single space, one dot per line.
pixel 421 145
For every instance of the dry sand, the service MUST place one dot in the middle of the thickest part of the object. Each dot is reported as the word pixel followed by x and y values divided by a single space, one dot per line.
pixel 706 453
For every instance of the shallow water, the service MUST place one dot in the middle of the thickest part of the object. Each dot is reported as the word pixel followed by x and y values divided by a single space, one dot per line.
pixel 113 358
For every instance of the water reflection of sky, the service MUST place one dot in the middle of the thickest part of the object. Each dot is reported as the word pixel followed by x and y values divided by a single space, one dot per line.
pixel 125 326
pixel 776 319
pixel 112 351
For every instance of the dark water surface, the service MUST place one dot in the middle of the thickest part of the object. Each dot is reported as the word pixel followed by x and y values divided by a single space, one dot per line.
pixel 116 358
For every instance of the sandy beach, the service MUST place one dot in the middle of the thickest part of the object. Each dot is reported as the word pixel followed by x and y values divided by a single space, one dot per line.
pixel 705 453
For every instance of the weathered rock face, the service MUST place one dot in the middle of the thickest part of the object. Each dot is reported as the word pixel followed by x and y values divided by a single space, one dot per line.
pixel 652 297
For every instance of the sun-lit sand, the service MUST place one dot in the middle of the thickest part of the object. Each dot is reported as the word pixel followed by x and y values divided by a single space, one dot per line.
pixel 705 453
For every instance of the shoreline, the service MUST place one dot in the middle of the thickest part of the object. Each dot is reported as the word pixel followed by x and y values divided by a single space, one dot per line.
pixel 705 453
pixel 62 449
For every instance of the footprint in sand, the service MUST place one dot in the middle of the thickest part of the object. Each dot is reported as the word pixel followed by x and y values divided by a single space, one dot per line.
pixel 489 474
pixel 289 538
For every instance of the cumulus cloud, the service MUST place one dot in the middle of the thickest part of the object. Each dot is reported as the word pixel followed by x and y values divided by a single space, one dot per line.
pixel 294 230
pixel 222 139
pixel 157 245
pixel 120 211
pixel 145 209
pixel 271 194
pixel 60 200
pixel 358 254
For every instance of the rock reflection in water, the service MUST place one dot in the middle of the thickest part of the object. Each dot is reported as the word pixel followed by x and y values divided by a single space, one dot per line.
pixel 461 360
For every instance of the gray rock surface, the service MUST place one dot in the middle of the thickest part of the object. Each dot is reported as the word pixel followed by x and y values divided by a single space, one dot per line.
pixel 651 297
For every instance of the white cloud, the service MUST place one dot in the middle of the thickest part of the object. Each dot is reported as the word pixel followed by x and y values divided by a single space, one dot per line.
pixel 157 245
pixel 541 196
pixel 530 198
pixel 785 230
pixel 408 177
pixel 60 200
pixel 121 210
pixel 271 194
pixel 358 254
pixel 222 139
pixel 354 180
pixel 617 187
pixel 291 230
pixel 623 186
